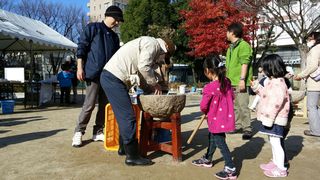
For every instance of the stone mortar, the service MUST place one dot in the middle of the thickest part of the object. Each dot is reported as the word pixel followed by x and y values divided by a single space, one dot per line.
pixel 162 105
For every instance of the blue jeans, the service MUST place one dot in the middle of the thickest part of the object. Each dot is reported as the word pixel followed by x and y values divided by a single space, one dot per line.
pixel 219 140
pixel 120 101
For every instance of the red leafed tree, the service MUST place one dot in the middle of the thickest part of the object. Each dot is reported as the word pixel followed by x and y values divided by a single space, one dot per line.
pixel 206 23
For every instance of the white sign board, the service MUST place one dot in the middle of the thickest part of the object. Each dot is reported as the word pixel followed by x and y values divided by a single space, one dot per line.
pixel 14 74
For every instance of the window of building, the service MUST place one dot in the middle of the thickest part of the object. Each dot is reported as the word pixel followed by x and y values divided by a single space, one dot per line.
pixel 100 6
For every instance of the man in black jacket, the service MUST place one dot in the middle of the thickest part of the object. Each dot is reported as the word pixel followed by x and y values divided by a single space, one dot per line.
pixel 97 43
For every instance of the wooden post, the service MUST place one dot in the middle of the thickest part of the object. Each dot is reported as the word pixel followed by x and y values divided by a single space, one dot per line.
pixel 176 136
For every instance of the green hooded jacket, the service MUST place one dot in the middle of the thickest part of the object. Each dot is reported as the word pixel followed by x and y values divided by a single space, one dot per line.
pixel 239 53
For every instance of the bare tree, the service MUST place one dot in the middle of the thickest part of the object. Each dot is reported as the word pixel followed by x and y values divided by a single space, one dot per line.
pixel 298 18
pixel 81 25
pixel 6 5
pixel 29 8
pixel 64 19
pixel 50 14
pixel 67 20
pixel 265 40
pixel 70 19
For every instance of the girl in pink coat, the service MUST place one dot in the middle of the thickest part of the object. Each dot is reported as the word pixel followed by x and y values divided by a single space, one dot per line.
pixel 273 111
pixel 217 104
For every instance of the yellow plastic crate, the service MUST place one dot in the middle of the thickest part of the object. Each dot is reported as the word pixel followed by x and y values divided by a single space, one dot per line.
pixel 111 129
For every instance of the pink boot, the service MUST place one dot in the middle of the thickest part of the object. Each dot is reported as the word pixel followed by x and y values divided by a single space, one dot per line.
pixel 268 167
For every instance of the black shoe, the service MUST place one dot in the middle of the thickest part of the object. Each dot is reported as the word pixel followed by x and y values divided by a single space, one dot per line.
pixel 247 135
pixel 204 162
pixel 227 173
pixel 133 158
pixel 121 151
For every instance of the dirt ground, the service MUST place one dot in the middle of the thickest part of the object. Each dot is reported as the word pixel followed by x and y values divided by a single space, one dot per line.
pixel 36 144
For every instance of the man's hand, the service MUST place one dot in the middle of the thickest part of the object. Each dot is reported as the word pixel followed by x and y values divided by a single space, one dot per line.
pixel 242 86
pixel 297 78
pixel 80 74
pixel 157 89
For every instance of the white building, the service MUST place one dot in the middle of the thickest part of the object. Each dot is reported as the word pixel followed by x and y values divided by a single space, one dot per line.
pixel 97 8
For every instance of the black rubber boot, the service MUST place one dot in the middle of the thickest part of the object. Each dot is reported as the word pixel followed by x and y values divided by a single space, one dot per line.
pixel 133 158
pixel 121 151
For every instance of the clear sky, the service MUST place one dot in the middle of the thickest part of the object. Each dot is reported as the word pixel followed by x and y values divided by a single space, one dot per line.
pixel 82 3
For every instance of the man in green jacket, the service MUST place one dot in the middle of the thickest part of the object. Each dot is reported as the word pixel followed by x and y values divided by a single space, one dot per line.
pixel 239 71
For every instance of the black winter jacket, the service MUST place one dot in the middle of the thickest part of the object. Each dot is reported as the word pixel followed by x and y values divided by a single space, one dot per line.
pixel 97 43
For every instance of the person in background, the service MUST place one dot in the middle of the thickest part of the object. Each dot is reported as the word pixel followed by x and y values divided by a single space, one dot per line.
pixel 239 71
pixel 255 102
pixel 65 77
pixel 217 105
pixel 97 43
pixel 313 85
pixel 273 111
pixel 134 64
pixel 73 69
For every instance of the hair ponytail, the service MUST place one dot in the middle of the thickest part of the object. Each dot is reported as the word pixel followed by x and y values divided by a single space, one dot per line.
pixel 216 66
pixel 222 78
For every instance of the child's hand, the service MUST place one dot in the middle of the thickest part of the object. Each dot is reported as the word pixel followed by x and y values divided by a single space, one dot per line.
pixel 252 83
pixel 289 75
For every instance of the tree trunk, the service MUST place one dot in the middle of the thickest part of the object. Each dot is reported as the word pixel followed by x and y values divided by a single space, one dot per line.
pixel 194 75
pixel 303 50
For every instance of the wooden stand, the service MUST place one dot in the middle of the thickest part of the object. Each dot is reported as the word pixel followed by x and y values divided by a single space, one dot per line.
pixel 172 123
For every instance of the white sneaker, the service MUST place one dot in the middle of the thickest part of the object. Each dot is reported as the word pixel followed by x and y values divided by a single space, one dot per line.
pixel 98 137
pixel 77 139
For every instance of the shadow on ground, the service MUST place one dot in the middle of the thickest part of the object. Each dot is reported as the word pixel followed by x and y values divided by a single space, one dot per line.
pixel 18 118
pixel 293 146
pixel 86 142
pixel 191 117
pixel 51 107
pixel 4 131
pixel 198 143
pixel 188 150
pixel 18 121
pixel 249 150
pixel 10 140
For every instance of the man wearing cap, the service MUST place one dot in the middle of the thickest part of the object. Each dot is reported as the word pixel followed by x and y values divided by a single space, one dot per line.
pixel 97 43
pixel 137 59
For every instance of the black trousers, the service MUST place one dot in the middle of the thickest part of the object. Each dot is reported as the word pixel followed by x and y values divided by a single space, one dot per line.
pixel 65 94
